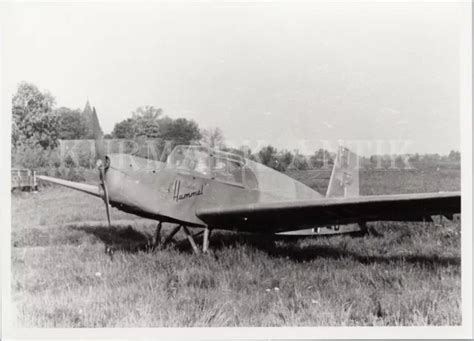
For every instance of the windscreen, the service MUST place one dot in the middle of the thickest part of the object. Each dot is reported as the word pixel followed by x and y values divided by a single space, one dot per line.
pixel 227 170
pixel 194 160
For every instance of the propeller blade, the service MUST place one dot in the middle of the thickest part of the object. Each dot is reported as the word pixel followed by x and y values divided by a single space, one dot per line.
pixel 102 161
pixel 98 137
pixel 107 205
pixel 106 193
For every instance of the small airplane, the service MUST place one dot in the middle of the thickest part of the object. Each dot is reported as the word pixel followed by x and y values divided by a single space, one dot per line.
pixel 198 187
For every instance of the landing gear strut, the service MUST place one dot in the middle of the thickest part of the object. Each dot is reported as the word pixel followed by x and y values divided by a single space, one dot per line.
pixel 191 239
pixel 157 235
pixel 171 235
pixel 205 241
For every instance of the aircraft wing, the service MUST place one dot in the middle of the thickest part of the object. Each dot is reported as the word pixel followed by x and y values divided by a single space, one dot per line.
pixel 293 215
pixel 89 189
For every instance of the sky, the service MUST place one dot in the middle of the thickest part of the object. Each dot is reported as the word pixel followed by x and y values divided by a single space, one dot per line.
pixel 297 76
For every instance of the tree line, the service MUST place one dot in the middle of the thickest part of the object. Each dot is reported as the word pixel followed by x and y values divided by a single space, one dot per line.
pixel 38 126
pixel 37 122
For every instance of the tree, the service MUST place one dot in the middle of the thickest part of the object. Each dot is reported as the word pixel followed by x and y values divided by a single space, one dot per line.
pixel 148 122
pixel 97 124
pixel 299 162
pixel 278 160
pixel 34 122
pixel 268 156
pixel 180 131
pixel 41 129
pixel 212 138
pixel 284 159
pixel 124 129
pixel 17 112
pixel 454 156
pixel 414 157
pixel 147 112
pixel 72 125
pixel 87 117
pixel 321 158
pixel 144 122
pixel 431 158
pixel 146 127
pixel 29 98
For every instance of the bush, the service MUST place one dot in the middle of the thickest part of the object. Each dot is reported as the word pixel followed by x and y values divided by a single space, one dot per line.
pixel 61 172
pixel 33 157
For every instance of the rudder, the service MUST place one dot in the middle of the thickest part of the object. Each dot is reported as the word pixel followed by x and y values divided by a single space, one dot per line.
pixel 344 181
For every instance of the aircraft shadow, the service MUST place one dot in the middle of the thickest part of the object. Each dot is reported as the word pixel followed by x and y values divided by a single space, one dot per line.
pixel 130 240
pixel 297 253
pixel 124 239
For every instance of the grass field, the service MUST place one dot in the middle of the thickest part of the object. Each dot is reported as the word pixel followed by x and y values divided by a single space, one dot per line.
pixel 408 274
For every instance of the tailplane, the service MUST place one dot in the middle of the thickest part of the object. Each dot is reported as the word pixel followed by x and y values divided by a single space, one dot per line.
pixel 344 181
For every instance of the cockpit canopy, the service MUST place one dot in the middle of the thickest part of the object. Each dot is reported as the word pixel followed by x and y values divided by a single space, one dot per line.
pixel 214 164
pixel 238 171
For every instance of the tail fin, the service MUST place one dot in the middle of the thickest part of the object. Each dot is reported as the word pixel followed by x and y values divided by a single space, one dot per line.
pixel 344 180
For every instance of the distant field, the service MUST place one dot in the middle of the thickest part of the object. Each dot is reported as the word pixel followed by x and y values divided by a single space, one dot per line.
pixel 409 275
pixel 374 181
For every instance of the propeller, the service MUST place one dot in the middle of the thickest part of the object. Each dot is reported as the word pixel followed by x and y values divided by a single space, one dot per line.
pixel 102 160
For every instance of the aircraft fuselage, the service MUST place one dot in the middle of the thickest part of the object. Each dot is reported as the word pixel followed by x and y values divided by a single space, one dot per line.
pixel 151 189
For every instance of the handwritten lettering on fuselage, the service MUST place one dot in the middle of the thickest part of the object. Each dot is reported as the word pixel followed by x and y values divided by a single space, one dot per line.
pixel 177 196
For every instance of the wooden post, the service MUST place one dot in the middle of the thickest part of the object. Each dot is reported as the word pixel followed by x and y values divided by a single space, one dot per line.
pixel 191 239
pixel 205 240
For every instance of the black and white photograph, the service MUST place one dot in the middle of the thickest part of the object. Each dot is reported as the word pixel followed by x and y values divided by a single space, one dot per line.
pixel 173 167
